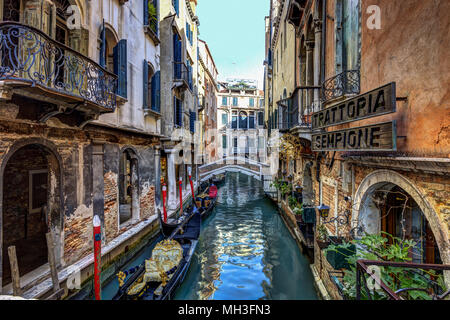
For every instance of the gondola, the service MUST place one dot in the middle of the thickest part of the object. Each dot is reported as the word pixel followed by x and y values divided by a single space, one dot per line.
pixel 159 276
pixel 168 227
pixel 206 201
pixel 218 179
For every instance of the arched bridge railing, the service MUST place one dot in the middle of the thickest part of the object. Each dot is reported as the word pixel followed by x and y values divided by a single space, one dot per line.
pixel 232 164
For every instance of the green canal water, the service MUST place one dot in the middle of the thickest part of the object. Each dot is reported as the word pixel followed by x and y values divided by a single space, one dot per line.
pixel 245 252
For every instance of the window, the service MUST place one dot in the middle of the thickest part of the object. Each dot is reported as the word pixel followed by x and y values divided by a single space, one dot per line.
pixel 177 52
pixel 347 26
pixel 176 6
pixel 260 142
pixel 224 119
pixel 251 120
pixel 224 101
pixel 234 120
pixel 192 118
pixel 235 101
pixel 224 141
pixel 252 102
pixel 178 112
pixel 151 14
pixel 261 118
pixel 243 121
pixel 37 190
pixel 152 88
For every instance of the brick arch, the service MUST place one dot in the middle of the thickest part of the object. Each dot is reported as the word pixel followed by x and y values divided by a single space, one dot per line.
pixel 56 200
pixel 388 176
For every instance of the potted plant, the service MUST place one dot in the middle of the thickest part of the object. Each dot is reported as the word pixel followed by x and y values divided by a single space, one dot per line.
pixel 322 237
pixel 298 211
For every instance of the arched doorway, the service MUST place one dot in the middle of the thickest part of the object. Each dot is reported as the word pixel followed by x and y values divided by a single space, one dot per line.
pixel 31 206
pixel 387 202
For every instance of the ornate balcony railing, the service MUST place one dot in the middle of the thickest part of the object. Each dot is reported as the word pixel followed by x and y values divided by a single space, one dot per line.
pixel 296 110
pixel 28 55
pixel 347 82
pixel 181 73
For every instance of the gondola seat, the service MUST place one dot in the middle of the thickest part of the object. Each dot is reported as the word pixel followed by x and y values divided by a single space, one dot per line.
pixel 165 256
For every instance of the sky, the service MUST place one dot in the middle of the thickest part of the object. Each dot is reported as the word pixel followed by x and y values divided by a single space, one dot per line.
pixel 234 31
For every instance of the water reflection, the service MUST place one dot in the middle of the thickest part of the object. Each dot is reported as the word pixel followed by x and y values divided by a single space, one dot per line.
pixel 245 250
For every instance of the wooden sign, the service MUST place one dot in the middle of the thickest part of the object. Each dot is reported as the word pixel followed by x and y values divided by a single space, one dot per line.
pixel 376 137
pixel 371 104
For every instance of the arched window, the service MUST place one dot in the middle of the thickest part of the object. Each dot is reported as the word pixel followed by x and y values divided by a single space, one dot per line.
pixel 243 120
pixel 128 187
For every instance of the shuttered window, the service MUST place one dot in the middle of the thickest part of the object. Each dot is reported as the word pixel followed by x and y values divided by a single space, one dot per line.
pixel 177 47
pixel 176 5
pixel 192 118
pixel 146 86
pixel 156 92
pixel 251 121
pixel 261 118
pixel 224 118
pixel 120 67
pixel 224 141
pixel 224 101
pixel 235 101
pixel 178 112
pixel 252 102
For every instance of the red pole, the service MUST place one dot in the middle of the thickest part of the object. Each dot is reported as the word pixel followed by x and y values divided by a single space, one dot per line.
pixel 181 196
pixel 97 256
pixel 164 195
pixel 192 184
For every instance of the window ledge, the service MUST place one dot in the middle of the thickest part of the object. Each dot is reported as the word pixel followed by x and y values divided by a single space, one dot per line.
pixel 148 31
pixel 121 100
pixel 150 112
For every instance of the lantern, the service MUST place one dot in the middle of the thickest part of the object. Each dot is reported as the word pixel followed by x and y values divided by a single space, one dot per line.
pixel 323 211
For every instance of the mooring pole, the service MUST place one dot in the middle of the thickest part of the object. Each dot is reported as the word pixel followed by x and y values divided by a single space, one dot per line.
pixel 164 194
pixel 192 184
pixel 181 196
pixel 97 257
pixel 15 274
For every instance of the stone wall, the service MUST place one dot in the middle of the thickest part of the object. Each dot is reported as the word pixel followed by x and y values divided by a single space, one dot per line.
pixel 73 155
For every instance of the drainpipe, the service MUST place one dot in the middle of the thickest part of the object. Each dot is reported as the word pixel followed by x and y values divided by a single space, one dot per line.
pixel 324 39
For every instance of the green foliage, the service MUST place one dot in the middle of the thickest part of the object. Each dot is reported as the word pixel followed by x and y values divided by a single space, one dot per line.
pixel 376 247
pixel 282 186
pixel 322 233
pixel 152 14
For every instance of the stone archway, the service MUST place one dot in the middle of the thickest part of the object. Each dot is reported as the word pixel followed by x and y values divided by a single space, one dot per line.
pixel 379 177
pixel 31 203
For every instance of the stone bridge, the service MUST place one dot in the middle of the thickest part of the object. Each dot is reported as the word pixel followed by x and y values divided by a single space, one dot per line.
pixel 243 165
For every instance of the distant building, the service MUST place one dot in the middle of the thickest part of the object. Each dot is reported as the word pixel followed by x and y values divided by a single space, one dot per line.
pixel 208 89
pixel 241 120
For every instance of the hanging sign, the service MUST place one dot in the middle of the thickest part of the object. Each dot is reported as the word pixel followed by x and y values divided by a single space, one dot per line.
pixel 371 104
pixel 376 137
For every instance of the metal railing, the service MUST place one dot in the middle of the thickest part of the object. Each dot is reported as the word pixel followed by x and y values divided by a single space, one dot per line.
pixel 181 72
pixel 362 268
pixel 29 55
pixel 347 82
pixel 297 110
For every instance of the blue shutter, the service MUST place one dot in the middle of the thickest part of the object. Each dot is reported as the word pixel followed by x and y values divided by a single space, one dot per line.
pixel 146 20
pixel 102 60
pixel 180 113
pixel 193 117
pixel 176 4
pixel 145 81
pixel 120 67
pixel 156 92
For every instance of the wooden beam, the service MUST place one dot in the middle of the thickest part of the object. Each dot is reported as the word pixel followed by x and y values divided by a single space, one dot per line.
pixel 52 263
pixel 15 275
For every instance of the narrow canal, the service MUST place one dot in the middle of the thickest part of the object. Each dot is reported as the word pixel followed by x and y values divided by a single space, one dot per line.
pixel 245 251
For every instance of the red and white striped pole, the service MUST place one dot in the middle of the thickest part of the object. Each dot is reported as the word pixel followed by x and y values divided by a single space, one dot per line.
pixel 181 196
pixel 97 256
pixel 192 184
pixel 164 195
